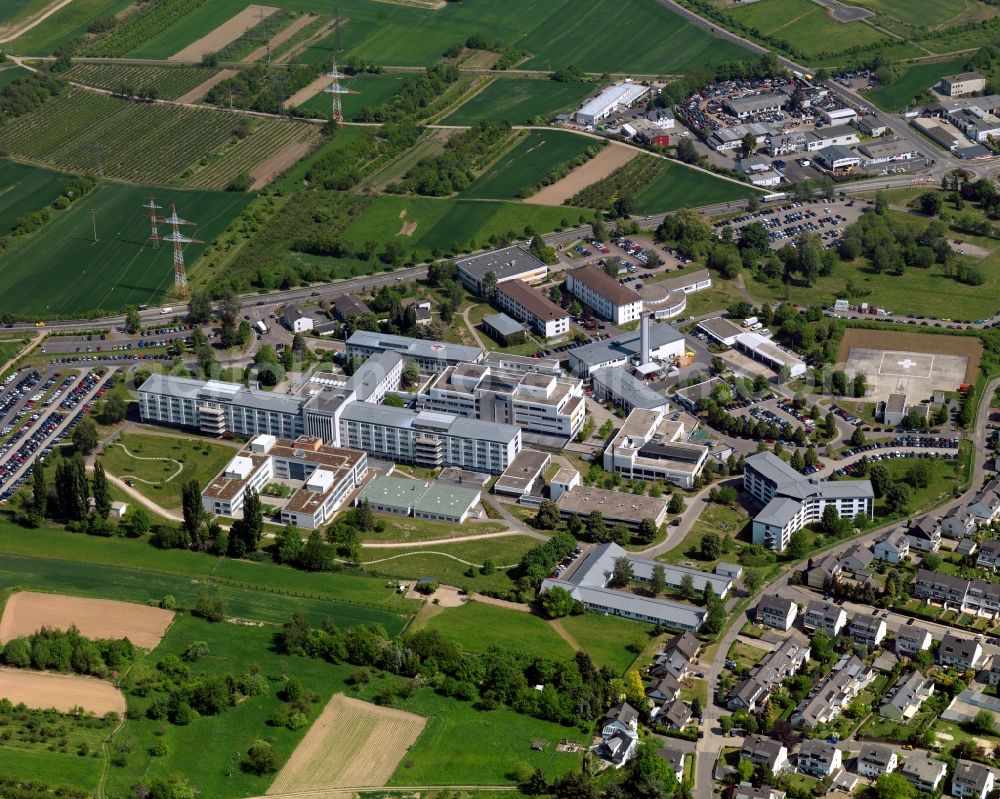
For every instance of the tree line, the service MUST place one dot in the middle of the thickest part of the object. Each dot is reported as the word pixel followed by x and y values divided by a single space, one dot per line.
pixel 49 649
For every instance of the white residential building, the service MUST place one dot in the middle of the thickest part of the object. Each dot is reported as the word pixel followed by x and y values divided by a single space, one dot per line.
pixel 923 773
pixel 972 780
pixel 528 305
pixel 605 295
pixel 876 760
pixel 776 611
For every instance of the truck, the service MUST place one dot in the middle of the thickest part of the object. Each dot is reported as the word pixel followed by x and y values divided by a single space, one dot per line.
pixel 750 321
pixel 261 327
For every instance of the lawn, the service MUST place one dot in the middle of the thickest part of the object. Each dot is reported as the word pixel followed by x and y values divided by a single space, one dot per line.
pixel 805 25
pixel 52 560
pixel 25 188
pixel 60 271
pixel 161 477
pixel 746 656
pixel 55 768
pixel 449 225
pixel 721 519
pixel 899 94
pixel 9 347
pixel 207 749
pixel 518 172
pixel 366 91
pixel 945 475
pixel 922 13
pixel 441 563
pixel 679 186
pixel 409 529
pixel 480 626
pixel 520 100
pixel 609 640
pixel 69 22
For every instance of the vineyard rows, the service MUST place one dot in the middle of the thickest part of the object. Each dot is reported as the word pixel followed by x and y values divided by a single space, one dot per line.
pixel 169 83
pixel 86 132
pixel 140 27
pixel 268 139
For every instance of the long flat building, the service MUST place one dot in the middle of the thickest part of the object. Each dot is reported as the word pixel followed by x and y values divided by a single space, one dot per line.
pixel 614 506
pixel 617 385
pixel 510 263
pixel 665 344
pixel 432 356
pixel 604 294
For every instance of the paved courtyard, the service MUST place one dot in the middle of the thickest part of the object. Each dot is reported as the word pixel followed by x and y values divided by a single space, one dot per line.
pixel 916 374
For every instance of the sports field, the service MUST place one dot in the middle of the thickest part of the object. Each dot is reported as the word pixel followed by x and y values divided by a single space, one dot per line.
pixel 447 224
pixel 518 172
pixel 520 100
pixel 678 186
pixel 897 95
pixel 366 91
pixel 60 270
pixel 25 188
pixel 806 25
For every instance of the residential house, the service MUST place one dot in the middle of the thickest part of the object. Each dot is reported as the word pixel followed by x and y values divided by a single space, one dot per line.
pixel 993 675
pixel 297 321
pixel 754 691
pixel 825 702
pixel 347 305
pixel 875 760
pixel 620 734
pixel 620 718
pixel 972 780
pixel 767 752
pixel 958 524
pixel 745 790
pixel 777 612
pixel 912 638
pixel 893 547
pixel 857 559
pixel 676 715
pixel 923 773
pixel 924 535
pixel 819 758
pixel 906 696
pixel 823 570
pixel 967 547
pixel 825 616
pixel 958 651
pixel 665 689
pixel 943 588
pixel 675 758
pixel 989 555
pixel 985 508
pixel 867 629
pixel 678 654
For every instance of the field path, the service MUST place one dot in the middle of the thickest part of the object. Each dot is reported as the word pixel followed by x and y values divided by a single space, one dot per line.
pixel 279 162
pixel 282 36
pixel 457 539
pixel 38 339
pixel 431 552
pixel 180 466
pixel 612 157
pixel 227 33
pixel 563 633
pixel 345 793
pixel 32 23
pixel 202 89
pixel 145 501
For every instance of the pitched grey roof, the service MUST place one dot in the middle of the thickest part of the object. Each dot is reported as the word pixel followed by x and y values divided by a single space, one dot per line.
pixel 503 324
pixel 685 643
pixel 415 347
pixel 817 749
pixel 775 604
pixel 624 345
pixel 625 385
pixel 623 712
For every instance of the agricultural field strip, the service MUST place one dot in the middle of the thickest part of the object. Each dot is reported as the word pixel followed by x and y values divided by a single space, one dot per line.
pixel 169 82
pixel 267 141
pixel 63 692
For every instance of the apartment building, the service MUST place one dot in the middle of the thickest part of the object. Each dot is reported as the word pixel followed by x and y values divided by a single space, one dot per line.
pixel 867 629
pixel 776 611
pixel 506 265
pixel 528 305
pixel 646 448
pixel 604 294
pixel 825 616
pixel 541 404
pixel 767 752
pixel 905 697
pixel 892 548
pixel 956 650
pixel 874 760
pixel 923 773
pixel 834 692
pixel 911 639
pixel 327 476
pixel 819 758
pixel 972 780
pixel 792 500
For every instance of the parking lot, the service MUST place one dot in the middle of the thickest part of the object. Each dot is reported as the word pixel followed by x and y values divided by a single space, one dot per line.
pixel 827 220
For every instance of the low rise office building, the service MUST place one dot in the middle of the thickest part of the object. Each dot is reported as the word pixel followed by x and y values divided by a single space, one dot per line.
pixel 505 265
pixel 422 499
pixel 665 345
pixel 431 356
pixel 644 448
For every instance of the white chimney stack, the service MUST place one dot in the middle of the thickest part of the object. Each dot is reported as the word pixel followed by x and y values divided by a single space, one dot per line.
pixel 644 356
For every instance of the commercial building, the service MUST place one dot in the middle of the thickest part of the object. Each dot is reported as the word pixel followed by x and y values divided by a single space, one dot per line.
pixel 731 138
pixel 531 307
pixel 326 474
pixel 614 506
pixel 646 448
pixel 541 404
pixel 615 98
pixel 606 296
pixel 837 158
pixel 841 115
pixel 665 345
pixel 962 83
pixel 841 135
pixel 751 105
pixel 429 438
pixel 885 151
pixel 827 700
pixel 586 580
pixel 720 330
pixel 422 499
pixel 792 500
pixel 432 356
pixel 504 329
pixel 689 397
pixel 617 385
pixel 566 479
pixel 510 263
pixel 764 351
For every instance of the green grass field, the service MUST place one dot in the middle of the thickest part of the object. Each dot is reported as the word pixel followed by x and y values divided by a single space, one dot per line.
pixel 53 560
pixel 479 626
pixel 447 224
pixel 59 270
pixel 928 13
pixel 520 100
pixel 161 480
pixel 69 22
pixel 607 639
pixel 11 72
pixel 520 169
pixel 805 25
pixel 366 91
pixel 25 188
pixel 897 95
pixel 55 768
pixel 680 187
pixel 17 10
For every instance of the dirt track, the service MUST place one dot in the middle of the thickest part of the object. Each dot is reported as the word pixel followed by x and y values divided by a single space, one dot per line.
pixel 281 37
pixel 27 611
pixel 201 89
pixel 228 32
pixel 351 744
pixel 279 162
pixel 600 166
pixel 307 91
pixel 63 692
pixel 905 341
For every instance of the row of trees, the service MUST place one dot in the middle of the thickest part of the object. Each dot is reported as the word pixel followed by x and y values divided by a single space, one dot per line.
pixel 68 651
